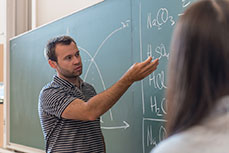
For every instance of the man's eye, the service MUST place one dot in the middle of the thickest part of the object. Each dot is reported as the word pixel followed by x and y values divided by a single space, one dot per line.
pixel 69 57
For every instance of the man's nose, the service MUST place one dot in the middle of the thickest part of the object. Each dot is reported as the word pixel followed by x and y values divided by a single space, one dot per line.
pixel 76 60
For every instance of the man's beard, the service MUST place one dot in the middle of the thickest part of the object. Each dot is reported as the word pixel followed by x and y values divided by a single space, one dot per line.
pixel 68 74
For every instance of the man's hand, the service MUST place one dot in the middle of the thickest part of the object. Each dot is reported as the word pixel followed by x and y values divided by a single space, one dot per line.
pixel 139 71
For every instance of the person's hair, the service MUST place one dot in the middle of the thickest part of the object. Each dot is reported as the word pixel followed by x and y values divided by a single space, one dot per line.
pixel 198 71
pixel 51 46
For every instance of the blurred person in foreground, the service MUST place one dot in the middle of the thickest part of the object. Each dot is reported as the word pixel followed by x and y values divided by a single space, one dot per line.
pixel 198 81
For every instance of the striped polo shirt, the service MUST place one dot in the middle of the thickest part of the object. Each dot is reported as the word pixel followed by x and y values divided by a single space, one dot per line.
pixel 66 135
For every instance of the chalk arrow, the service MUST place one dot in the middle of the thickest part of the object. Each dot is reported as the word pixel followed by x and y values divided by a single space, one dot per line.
pixel 125 126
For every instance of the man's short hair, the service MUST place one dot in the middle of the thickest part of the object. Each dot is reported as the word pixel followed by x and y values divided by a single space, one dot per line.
pixel 51 46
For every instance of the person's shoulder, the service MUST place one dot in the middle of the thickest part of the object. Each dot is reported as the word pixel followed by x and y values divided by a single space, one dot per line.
pixel 88 85
pixel 173 144
pixel 50 87
pixel 89 89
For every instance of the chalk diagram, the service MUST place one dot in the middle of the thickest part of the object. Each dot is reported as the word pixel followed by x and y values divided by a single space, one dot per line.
pixel 113 124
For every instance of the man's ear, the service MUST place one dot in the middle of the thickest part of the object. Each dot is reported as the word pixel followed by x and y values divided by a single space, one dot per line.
pixel 53 64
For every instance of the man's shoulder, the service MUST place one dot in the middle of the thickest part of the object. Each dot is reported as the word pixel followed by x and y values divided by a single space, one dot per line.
pixel 86 84
pixel 50 87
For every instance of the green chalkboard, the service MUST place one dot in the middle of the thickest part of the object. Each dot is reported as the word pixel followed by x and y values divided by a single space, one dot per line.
pixel 111 37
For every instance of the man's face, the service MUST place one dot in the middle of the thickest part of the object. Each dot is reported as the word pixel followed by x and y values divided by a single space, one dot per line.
pixel 69 64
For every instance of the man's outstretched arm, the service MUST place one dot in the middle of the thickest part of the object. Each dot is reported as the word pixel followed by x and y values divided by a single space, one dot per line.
pixel 99 104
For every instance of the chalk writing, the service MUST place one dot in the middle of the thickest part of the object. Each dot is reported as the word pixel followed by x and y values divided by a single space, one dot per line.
pixel 150 139
pixel 185 3
pixel 125 24
pixel 160 51
pixel 159 110
pixel 153 133
pixel 162 17
pixel 158 80
pixel 159 17
pixel 162 133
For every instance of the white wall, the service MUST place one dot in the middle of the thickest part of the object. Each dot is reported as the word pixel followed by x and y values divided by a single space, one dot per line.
pixel 1 17
pixel 49 10
pixel 2 21
pixel 23 15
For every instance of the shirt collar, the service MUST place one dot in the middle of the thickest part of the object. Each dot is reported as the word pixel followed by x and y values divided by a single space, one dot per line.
pixel 66 83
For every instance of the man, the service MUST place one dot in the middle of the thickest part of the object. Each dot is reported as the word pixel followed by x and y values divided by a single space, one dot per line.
pixel 69 108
